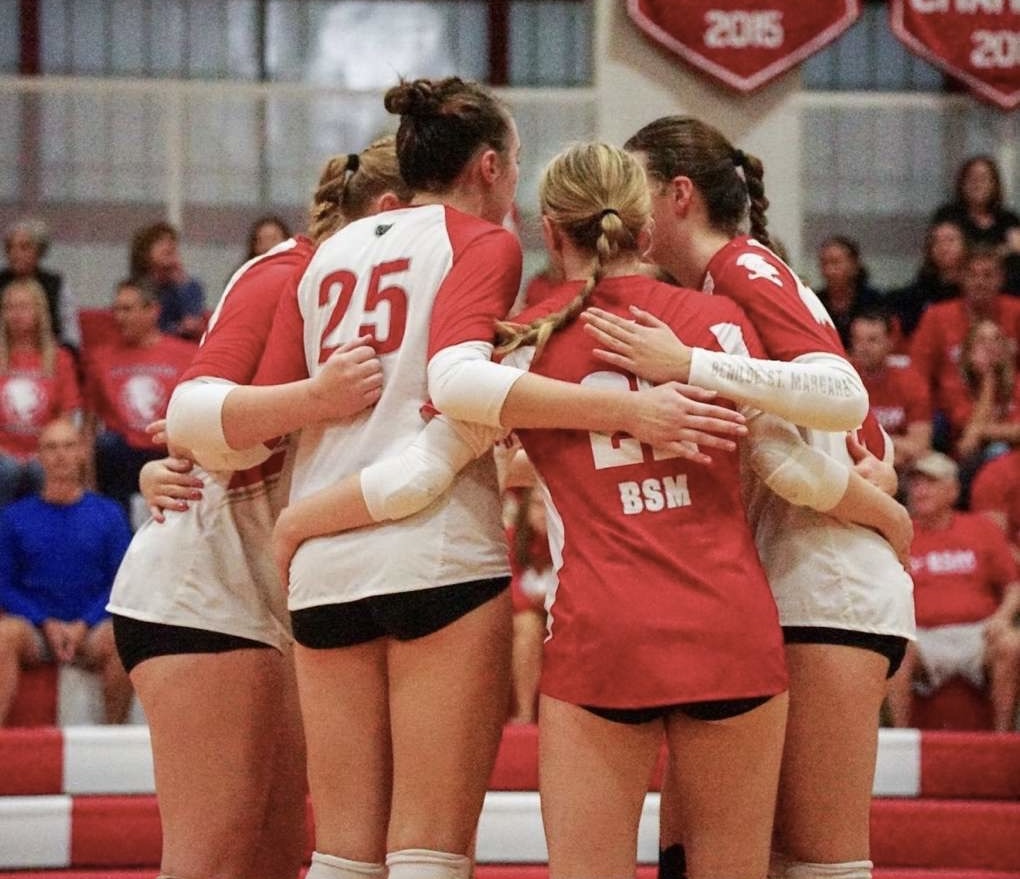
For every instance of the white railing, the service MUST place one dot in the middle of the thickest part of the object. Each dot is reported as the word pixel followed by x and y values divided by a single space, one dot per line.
pixel 97 156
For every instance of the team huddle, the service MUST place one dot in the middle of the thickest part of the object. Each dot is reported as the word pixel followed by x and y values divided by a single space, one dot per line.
pixel 729 558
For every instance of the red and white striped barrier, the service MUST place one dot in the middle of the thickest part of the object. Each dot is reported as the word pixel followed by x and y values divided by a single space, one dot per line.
pixel 81 798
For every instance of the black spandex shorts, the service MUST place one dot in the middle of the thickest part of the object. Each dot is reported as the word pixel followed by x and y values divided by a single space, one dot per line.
pixel 892 647
pixel 713 709
pixel 402 615
pixel 138 640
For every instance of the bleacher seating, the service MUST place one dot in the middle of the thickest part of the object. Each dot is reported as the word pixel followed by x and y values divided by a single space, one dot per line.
pixel 78 804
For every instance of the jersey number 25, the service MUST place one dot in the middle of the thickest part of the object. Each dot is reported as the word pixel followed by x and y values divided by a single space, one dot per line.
pixel 384 314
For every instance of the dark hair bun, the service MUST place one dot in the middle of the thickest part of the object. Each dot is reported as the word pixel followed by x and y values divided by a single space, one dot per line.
pixel 416 98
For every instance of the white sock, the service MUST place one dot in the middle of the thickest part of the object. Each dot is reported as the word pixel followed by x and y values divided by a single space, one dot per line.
pixel 421 863
pixel 846 870
pixel 332 867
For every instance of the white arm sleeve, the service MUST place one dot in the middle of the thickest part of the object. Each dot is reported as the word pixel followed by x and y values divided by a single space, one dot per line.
pixel 797 472
pixel 194 422
pixel 821 391
pixel 465 384
pixel 403 484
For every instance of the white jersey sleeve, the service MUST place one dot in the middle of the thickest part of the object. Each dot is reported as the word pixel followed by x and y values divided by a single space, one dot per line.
pixel 819 390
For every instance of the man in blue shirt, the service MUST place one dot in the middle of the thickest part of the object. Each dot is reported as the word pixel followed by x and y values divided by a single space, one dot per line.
pixel 59 552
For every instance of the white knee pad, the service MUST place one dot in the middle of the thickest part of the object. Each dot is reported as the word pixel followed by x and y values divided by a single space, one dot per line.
pixel 846 870
pixel 332 867
pixel 420 863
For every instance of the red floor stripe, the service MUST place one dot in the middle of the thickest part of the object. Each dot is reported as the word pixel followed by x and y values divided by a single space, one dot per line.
pixel 942 833
pixel 970 765
pixel 116 831
pixel 32 761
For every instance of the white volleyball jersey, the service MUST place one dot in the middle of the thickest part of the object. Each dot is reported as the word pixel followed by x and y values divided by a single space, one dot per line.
pixel 822 572
pixel 417 280
pixel 210 567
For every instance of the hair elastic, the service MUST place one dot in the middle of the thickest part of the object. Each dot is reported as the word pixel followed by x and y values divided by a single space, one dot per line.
pixel 353 162
pixel 738 157
pixel 608 211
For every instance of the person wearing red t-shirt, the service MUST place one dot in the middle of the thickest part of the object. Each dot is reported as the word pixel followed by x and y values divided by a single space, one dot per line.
pixel 38 383
pixel 897 395
pixel 966 595
pixel 996 493
pixel 128 385
pixel 937 343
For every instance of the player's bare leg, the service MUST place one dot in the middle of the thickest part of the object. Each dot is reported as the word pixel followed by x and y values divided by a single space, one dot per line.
pixel 212 720
pixel 345 707
pixel 449 694
pixel 594 775
pixel 724 775
pixel 824 806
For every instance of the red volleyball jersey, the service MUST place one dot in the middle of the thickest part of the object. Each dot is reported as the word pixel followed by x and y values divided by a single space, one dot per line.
pixel 661 596
pixel 959 572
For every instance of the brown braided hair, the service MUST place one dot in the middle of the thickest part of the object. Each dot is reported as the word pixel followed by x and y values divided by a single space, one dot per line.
pixel 676 146
pixel 597 195
pixel 349 184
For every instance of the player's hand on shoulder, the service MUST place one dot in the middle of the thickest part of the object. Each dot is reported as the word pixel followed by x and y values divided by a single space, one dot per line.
pixel 349 381
pixel 681 419
pixel 643 344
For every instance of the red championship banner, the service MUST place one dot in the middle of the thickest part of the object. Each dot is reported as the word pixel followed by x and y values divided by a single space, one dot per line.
pixel 977 41
pixel 741 43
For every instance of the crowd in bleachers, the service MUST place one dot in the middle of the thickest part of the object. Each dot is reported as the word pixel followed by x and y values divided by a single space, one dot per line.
pixel 938 356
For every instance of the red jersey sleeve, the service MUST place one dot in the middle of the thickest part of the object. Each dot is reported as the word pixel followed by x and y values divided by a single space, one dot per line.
pixel 233 346
pixel 283 359
pixel 480 287
pixel 788 316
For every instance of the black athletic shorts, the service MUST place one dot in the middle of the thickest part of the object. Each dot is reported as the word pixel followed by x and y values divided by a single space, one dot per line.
pixel 892 647
pixel 712 709
pixel 138 640
pixel 402 615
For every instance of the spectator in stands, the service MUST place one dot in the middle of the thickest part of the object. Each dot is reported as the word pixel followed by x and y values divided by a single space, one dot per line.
pixel 966 595
pixel 846 291
pixel 898 396
pixel 38 382
pixel 938 278
pixel 978 206
pixel 982 400
pixel 127 387
pixel 26 243
pixel 265 233
pixel 59 552
pixel 156 258
pixel 938 341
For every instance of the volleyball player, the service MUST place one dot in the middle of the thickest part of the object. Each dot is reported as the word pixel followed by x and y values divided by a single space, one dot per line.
pixel 844 600
pixel 200 617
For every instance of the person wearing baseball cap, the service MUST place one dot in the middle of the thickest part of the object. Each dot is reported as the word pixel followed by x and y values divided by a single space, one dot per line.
pixel 966 598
